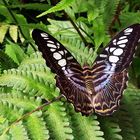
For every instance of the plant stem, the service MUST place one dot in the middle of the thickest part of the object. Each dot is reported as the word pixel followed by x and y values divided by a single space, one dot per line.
pixel 115 18
pixel 76 28
pixel 29 113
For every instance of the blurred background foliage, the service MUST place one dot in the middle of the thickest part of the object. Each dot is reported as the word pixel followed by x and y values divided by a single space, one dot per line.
pixel 84 28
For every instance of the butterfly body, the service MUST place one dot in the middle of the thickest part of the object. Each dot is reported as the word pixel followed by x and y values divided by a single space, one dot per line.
pixel 91 89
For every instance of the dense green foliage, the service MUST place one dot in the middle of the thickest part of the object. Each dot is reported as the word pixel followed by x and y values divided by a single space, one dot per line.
pixel 84 27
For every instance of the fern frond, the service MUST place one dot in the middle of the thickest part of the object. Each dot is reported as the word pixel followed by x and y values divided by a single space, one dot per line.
pixel 27 82
pixel 39 70
pixel 5 13
pixel 82 54
pixel 6 62
pixel 99 32
pixel 126 124
pixel 10 111
pixel 88 127
pixel 62 27
pixel 36 127
pixel 19 100
pixel 23 26
pixel 125 18
pixel 60 6
pixel 57 122
pixel 110 128
pixel 18 132
pixel 109 11
pixel 15 52
pixel 33 58
pixel 132 102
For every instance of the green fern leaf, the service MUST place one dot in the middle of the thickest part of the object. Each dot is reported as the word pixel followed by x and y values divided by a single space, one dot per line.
pixel 132 102
pixel 28 82
pixel 35 125
pixel 77 48
pixel 109 11
pixel 126 123
pixel 57 122
pixel 3 31
pixel 17 99
pixel 60 6
pixel 88 127
pixel 5 13
pixel 110 128
pixel 13 31
pixel 15 52
pixel 125 18
pixel 6 62
pixel 9 111
pixel 22 22
pixel 4 137
pixel 99 32
pixel 18 132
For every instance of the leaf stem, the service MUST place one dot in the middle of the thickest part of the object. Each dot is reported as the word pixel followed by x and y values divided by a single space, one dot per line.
pixel 29 113
pixel 115 18
pixel 76 28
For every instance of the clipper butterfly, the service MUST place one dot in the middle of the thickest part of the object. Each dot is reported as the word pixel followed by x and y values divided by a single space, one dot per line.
pixel 91 89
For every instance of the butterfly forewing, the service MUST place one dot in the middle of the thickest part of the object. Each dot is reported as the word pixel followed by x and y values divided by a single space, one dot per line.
pixel 98 88
pixel 57 57
pixel 119 52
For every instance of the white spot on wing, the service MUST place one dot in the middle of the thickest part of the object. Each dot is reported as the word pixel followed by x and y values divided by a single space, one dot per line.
pixel 44 34
pixel 49 41
pixel 51 45
pixel 65 51
pixel 127 33
pixel 122 45
pixel 113 59
pixel 128 30
pixel 58 45
pixel 63 68
pixel 103 55
pixel 57 56
pixel 122 41
pixel 69 58
pixel 112 49
pixel 52 50
pixel 107 48
pixel 61 52
pixel 123 37
pixel 118 52
pixel 62 62
pixel 114 42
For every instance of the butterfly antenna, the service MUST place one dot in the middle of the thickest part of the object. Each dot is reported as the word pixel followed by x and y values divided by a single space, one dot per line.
pixel 29 113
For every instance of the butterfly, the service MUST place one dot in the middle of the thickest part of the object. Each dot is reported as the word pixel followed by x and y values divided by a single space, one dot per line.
pixel 98 88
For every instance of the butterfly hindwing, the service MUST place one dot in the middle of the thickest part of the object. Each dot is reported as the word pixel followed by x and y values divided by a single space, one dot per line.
pixel 109 92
